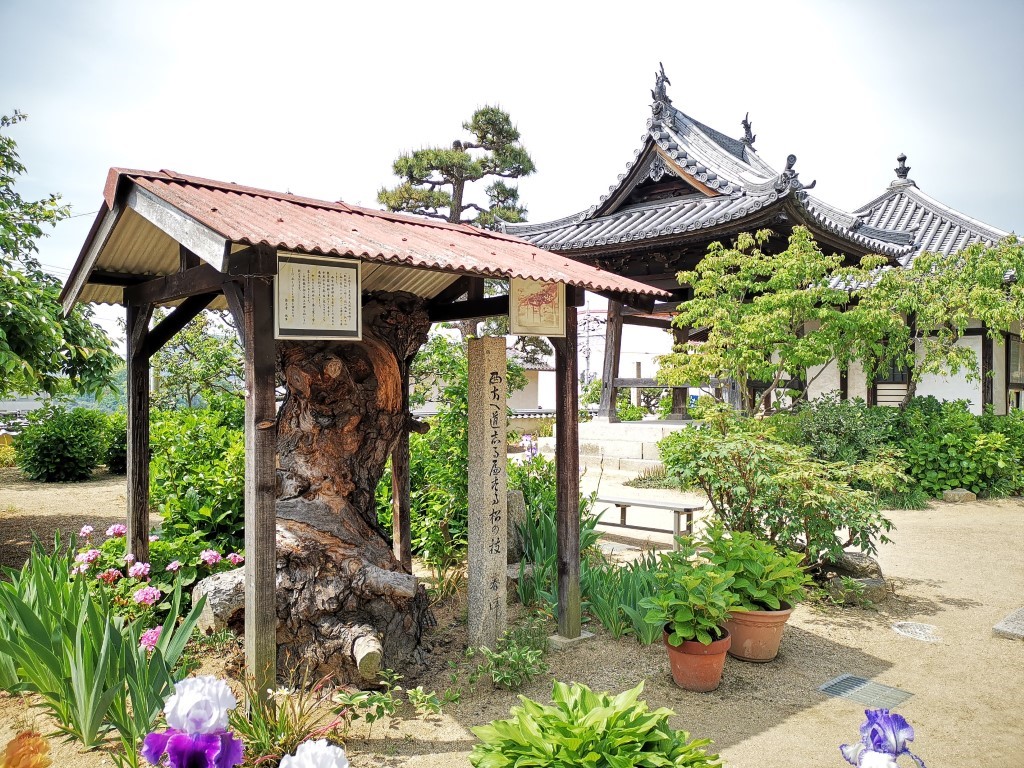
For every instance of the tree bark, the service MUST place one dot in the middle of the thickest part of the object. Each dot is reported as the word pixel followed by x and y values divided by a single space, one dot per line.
pixel 345 605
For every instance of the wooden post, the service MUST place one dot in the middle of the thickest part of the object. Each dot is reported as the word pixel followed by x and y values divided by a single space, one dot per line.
pixel 612 349
pixel 137 326
pixel 260 483
pixel 680 395
pixel 987 366
pixel 567 460
pixel 401 528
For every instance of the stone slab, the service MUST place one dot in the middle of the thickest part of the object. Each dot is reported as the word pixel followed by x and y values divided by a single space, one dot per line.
pixel 1012 627
pixel 958 496
pixel 559 643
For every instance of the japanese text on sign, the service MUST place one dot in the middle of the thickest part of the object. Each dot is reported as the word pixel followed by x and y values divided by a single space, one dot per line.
pixel 317 298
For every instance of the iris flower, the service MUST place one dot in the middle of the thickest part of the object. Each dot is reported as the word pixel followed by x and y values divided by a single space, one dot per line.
pixel 193 750
pixel 883 738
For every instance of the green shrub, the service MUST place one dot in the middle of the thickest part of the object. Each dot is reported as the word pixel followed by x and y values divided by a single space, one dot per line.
pixel 946 446
pixel 583 728
pixel 197 475
pixel 614 593
pixel 7 457
pixel 117 443
pixel 844 430
pixel 779 492
pixel 59 445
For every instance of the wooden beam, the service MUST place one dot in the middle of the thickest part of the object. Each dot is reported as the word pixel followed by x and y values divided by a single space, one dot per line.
pixel 79 276
pixel 987 368
pixel 469 310
pixel 209 245
pixel 260 483
pixel 459 288
pixel 612 349
pixel 186 259
pixel 647 321
pixel 642 302
pixel 401 487
pixel 255 260
pixel 121 279
pixel 233 295
pixel 174 322
pixel 567 460
pixel 137 325
pixel 201 279
pixel 660 307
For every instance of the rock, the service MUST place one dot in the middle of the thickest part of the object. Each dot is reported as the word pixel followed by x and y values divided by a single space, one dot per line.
pixel 853 591
pixel 958 496
pixel 516 517
pixel 225 601
pixel 857 565
pixel 512 578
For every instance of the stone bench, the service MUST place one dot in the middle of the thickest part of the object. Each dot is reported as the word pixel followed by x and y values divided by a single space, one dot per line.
pixel 678 510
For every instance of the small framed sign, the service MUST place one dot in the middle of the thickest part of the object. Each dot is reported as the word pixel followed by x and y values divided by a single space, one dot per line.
pixel 317 297
pixel 536 308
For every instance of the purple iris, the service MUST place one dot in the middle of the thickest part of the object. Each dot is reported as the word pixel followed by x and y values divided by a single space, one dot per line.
pixel 884 733
pixel 196 750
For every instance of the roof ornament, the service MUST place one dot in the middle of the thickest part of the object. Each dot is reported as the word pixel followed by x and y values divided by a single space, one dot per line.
pixel 660 93
pixel 791 178
pixel 748 137
pixel 903 170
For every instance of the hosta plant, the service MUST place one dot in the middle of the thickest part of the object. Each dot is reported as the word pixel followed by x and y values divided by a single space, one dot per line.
pixel 583 728
pixel 764 578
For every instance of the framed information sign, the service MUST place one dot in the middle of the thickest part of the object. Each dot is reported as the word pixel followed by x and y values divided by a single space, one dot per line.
pixel 536 308
pixel 317 297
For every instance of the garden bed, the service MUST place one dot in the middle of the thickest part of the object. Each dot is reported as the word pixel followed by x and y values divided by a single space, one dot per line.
pixel 955 567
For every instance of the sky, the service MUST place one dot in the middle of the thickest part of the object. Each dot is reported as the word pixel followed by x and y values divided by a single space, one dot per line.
pixel 318 98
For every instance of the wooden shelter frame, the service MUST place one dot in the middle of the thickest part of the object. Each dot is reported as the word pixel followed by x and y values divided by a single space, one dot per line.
pixel 245 279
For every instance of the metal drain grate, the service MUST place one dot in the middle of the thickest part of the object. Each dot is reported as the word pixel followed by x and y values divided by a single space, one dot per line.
pixel 864 691
pixel 923 632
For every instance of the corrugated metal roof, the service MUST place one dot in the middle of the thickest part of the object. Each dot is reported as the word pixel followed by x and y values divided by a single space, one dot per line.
pixel 407 252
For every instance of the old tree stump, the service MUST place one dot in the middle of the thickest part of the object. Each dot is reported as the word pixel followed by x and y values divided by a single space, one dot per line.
pixel 345 606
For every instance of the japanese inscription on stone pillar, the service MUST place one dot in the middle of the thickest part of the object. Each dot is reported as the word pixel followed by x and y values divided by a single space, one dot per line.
pixel 488 495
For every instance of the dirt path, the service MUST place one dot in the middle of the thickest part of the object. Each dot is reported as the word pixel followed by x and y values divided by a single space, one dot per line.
pixel 959 568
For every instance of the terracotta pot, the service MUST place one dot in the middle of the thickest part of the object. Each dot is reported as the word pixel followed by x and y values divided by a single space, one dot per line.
pixel 695 666
pixel 756 634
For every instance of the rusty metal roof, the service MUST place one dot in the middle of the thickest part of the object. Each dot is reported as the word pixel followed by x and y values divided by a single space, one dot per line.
pixel 140 238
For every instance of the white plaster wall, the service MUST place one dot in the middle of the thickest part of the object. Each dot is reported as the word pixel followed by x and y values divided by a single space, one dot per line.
pixel 527 397
pixel 955 387
pixel 827 380
pixel 856 381
pixel 999 379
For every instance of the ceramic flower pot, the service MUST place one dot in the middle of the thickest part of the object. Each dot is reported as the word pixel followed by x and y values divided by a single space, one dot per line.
pixel 695 666
pixel 756 635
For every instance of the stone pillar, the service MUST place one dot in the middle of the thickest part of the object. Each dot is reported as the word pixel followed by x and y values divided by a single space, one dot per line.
pixel 488 494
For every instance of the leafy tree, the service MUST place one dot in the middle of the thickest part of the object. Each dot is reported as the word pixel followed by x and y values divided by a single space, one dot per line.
pixel 41 350
pixel 761 308
pixel 200 366
pixel 435 178
pixel 917 315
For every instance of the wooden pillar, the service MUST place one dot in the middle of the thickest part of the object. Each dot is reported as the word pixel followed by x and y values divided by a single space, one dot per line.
pixel 612 350
pixel 401 528
pixel 567 460
pixel 137 326
pixel 987 368
pixel 260 482
pixel 680 395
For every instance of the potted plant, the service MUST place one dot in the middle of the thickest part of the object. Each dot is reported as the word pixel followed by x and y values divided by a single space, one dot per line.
pixel 692 602
pixel 767 583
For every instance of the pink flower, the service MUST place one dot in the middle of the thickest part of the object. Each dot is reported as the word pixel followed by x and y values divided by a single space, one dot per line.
pixel 117 530
pixel 150 638
pixel 174 566
pixel 210 556
pixel 129 558
pixel 154 537
pixel 147 596
pixel 79 569
pixel 86 531
pixel 110 576
pixel 89 556
pixel 236 559
pixel 139 570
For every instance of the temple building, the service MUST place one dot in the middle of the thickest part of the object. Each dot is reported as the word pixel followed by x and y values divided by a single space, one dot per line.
pixel 690 185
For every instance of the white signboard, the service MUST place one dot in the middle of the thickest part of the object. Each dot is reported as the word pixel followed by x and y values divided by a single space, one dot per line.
pixel 536 308
pixel 317 297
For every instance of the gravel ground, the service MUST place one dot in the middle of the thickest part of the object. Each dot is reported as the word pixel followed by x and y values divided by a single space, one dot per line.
pixel 957 567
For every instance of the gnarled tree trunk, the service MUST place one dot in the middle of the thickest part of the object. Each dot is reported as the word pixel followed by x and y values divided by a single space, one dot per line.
pixel 345 606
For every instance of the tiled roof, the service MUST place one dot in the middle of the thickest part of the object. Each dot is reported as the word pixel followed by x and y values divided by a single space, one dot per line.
pixel 932 226
pixel 231 215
